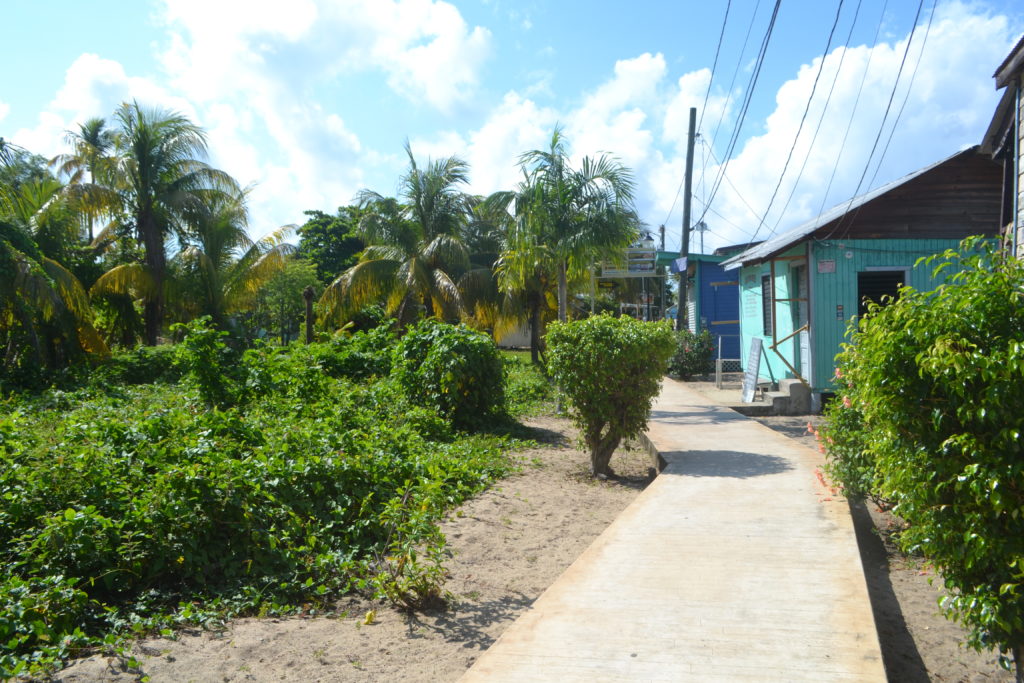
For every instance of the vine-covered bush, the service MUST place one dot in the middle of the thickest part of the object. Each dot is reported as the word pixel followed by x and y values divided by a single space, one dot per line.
pixel 131 508
pixel 451 369
pixel 938 381
pixel 694 354
pixel 610 370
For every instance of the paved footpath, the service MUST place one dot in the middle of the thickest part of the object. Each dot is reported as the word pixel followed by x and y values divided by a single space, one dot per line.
pixel 735 564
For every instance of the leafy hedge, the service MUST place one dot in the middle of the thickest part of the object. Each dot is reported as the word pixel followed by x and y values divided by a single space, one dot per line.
pixel 282 482
pixel 928 415
pixel 694 354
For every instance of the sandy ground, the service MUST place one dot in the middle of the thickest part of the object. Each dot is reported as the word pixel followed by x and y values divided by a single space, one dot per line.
pixel 508 544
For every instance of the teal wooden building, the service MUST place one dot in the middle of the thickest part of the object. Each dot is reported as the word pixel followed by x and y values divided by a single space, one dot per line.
pixel 799 290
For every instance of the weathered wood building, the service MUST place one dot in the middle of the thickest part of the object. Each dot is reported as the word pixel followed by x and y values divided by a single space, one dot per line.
pixel 1004 139
pixel 799 290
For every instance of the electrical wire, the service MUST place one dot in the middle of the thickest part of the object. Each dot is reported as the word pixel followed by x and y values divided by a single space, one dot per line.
pixel 746 105
pixel 714 64
pixel 881 128
pixel 853 111
pixel 824 111
pixel 803 119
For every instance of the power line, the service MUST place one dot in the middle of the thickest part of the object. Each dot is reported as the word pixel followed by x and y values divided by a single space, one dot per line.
pixel 746 104
pixel 803 118
pixel 735 72
pixel 910 86
pixel 824 111
pixel 881 128
pixel 853 112
pixel 714 64
pixel 707 94
pixel 735 190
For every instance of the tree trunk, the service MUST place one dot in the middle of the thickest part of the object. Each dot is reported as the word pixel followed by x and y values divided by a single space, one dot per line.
pixel 601 450
pixel 563 291
pixel 1017 664
pixel 428 305
pixel 156 262
pixel 307 294
pixel 534 332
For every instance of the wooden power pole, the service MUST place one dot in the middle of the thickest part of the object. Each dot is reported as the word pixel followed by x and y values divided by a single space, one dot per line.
pixel 684 251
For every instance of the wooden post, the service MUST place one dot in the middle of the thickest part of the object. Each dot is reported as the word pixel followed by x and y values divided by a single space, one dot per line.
pixel 307 294
pixel 684 251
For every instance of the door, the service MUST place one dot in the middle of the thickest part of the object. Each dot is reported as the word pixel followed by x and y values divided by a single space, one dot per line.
pixel 799 289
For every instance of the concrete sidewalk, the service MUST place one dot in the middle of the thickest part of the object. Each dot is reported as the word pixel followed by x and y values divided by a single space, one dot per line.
pixel 735 564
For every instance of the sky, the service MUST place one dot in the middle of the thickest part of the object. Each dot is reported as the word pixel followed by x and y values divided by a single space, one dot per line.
pixel 310 101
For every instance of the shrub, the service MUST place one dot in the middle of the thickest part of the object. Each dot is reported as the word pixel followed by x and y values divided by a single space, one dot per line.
pixel 694 354
pixel 939 380
pixel 142 365
pixel 610 369
pixel 207 361
pixel 452 369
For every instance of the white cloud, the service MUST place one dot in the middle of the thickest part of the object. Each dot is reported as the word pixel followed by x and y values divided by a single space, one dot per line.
pixel 424 48
pixel 93 86
pixel 952 99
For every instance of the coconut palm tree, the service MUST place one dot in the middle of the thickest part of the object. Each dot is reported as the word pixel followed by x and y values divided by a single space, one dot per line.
pixel 572 217
pixel 415 249
pixel 218 268
pixel 44 309
pixel 159 175
pixel 85 166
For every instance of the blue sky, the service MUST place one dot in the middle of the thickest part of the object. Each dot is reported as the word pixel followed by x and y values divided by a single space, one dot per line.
pixel 310 101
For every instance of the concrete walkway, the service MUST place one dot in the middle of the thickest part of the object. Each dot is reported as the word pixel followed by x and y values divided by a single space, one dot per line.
pixel 735 564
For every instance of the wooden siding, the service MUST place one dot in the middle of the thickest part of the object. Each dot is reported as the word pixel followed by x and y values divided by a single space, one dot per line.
pixel 1015 154
pixel 959 198
pixel 751 323
pixel 839 288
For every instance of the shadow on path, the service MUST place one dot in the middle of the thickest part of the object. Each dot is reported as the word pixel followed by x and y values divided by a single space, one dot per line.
pixel 736 464
pixel 902 660
pixel 720 416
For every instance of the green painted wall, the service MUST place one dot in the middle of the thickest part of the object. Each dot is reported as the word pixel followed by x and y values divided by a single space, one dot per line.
pixel 840 288
pixel 751 317
pixel 828 290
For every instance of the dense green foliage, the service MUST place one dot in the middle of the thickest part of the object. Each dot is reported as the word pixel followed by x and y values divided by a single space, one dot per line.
pixel 694 354
pixel 937 383
pixel 269 478
pixel 331 243
pixel 610 369
pixel 453 370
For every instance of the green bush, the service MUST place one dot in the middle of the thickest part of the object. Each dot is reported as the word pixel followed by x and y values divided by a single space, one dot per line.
pixel 136 509
pixel 207 361
pixel 610 369
pixel 451 369
pixel 938 379
pixel 142 365
pixel 694 354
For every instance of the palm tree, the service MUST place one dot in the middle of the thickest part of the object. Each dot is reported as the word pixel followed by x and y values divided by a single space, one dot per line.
pixel 88 162
pixel 415 249
pixel 218 270
pixel 43 307
pixel 160 176
pixel 573 217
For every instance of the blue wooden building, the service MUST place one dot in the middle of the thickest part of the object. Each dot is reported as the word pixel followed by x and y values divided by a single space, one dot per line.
pixel 799 290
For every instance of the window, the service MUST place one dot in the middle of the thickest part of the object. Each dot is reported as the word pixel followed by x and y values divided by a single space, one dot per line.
pixel 766 305
pixel 872 285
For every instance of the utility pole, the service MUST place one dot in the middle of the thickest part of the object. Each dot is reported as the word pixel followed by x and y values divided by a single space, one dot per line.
pixel 684 252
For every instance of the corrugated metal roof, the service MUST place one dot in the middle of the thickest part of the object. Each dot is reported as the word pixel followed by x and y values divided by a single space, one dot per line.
pixel 778 243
